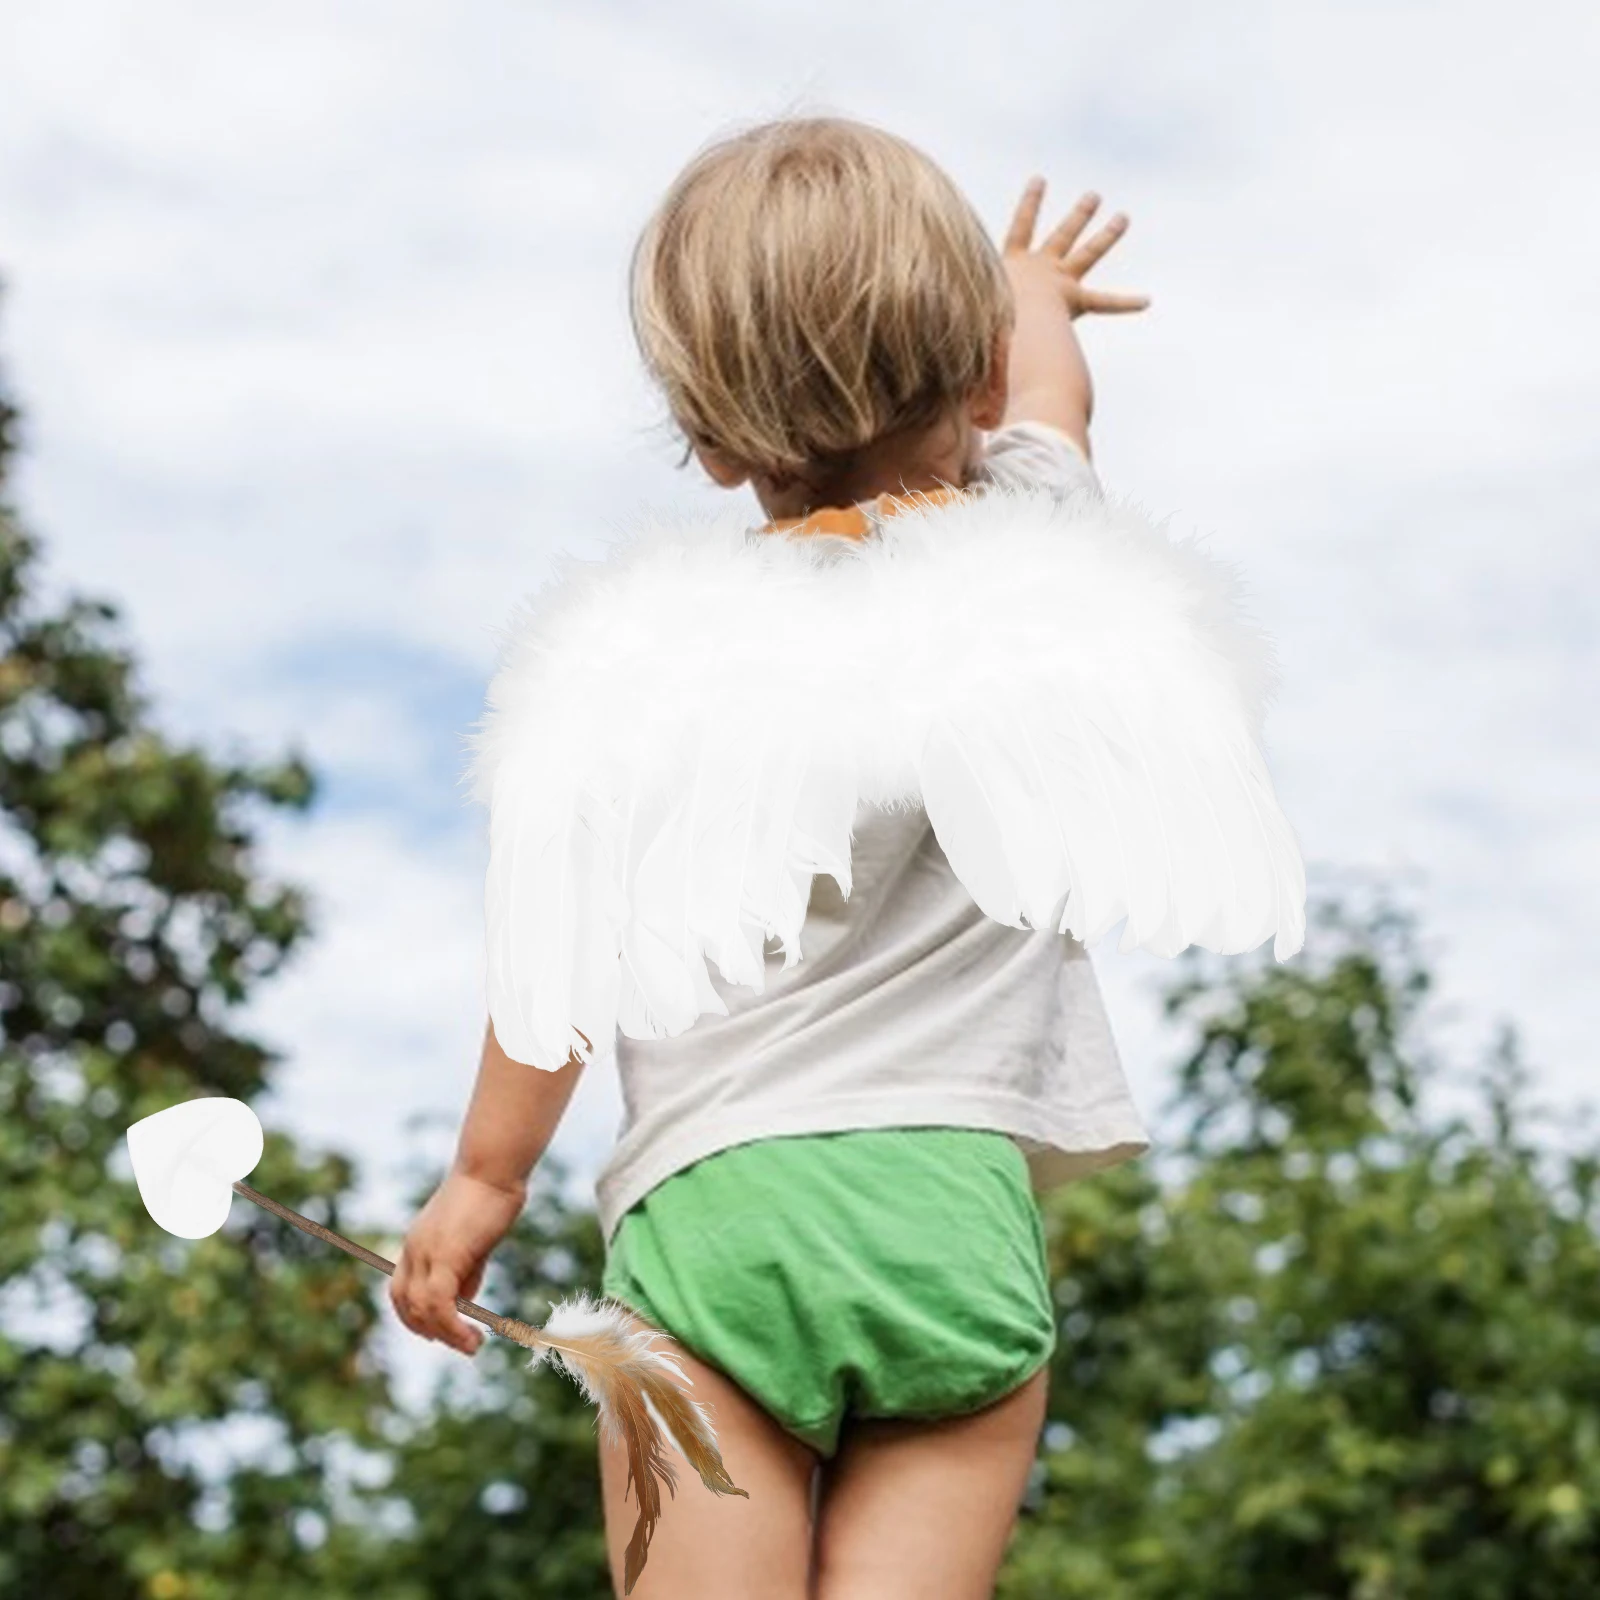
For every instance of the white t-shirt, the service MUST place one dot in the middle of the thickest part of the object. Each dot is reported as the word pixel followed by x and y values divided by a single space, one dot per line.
pixel 909 1007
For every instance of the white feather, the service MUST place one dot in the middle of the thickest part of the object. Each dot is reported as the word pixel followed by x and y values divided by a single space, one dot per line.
pixel 678 736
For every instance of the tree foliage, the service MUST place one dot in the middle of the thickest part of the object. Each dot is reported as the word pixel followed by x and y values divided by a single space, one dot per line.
pixel 182 1421
pixel 1352 1351
pixel 133 920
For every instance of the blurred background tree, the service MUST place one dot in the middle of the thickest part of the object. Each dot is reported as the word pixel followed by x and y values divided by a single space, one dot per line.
pixel 1333 1346
pixel 199 1420
pixel 133 918
pixel 1351 1350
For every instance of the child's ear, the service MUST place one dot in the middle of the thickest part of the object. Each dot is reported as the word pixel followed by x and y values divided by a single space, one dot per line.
pixel 989 404
pixel 724 473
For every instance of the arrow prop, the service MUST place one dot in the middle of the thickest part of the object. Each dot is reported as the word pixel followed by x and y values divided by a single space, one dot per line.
pixel 191 1159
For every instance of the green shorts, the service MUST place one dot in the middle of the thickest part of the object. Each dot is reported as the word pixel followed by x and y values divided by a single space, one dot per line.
pixel 895 1272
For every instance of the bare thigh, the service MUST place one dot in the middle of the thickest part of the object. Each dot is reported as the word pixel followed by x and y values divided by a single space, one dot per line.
pixel 720 1547
pixel 924 1510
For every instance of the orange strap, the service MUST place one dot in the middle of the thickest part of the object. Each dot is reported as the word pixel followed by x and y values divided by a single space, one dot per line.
pixel 854 522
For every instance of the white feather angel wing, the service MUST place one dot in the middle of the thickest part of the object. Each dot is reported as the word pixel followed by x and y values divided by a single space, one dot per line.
pixel 1165 819
pixel 651 806
pixel 678 739
pixel 1118 776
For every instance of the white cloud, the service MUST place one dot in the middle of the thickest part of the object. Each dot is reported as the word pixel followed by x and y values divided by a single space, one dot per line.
pixel 318 314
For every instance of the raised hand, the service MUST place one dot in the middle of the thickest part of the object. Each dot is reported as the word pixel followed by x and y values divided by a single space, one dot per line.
pixel 1060 262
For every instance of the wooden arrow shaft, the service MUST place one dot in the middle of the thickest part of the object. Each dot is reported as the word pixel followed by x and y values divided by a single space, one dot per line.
pixel 583 1355
pixel 469 1308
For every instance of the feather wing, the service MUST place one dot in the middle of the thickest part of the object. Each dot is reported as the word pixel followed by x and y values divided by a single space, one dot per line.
pixel 652 811
pixel 1116 775
pixel 678 740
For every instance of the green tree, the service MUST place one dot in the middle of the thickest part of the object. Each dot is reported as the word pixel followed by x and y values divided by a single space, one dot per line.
pixel 1350 1348
pixel 133 919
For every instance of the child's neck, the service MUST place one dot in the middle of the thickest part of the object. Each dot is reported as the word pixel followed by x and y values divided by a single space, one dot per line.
pixel 896 464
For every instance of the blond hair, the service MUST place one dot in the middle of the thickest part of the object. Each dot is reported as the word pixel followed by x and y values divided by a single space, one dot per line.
pixel 810 286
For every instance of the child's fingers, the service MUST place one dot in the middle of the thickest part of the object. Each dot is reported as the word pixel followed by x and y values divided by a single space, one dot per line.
pixel 1100 300
pixel 402 1288
pixel 1019 236
pixel 424 1298
pixel 1065 233
pixel 435 1300
pixel 1091 250
pixel 405 1298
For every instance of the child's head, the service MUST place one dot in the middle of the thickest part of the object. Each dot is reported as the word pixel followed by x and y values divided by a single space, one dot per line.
pixel 811 287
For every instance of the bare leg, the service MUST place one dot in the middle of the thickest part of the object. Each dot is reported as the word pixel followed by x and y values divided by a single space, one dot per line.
pixel 716 1547
pixel 924 1510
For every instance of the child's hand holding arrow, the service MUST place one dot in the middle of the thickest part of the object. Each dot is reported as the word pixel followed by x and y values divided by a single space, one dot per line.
pixel 445 1252
pixel 191 1159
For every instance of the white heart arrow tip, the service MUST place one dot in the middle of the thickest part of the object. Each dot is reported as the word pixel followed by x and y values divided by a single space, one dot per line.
pixel 186 1158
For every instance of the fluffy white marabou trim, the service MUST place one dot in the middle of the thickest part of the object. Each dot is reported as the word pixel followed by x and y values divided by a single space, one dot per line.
pixel 678 736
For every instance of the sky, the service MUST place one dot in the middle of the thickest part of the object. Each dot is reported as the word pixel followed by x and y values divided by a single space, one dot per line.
pixel 318 317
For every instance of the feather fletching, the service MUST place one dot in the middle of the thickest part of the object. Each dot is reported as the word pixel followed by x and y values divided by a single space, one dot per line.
pixel 638 1391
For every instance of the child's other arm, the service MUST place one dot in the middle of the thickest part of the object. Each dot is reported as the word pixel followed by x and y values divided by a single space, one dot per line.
pixel 510 1121
pixel 512 1116
pixel 1047 375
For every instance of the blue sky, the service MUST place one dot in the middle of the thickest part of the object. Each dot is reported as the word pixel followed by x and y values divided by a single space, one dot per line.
pixel 318 316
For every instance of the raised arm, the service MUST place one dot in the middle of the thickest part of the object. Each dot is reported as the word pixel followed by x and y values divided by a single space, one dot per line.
pixel 1048 377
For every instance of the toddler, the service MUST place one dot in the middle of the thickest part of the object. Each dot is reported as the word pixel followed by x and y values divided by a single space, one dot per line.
pixel 825 1186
